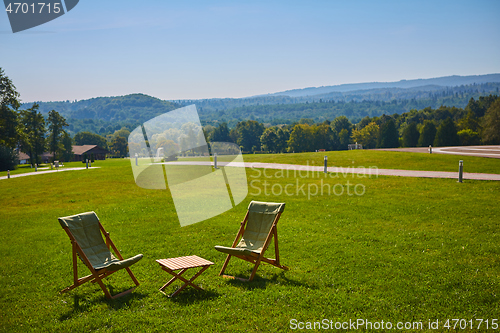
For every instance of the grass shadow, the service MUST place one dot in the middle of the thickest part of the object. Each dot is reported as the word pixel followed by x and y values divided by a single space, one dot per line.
pixel 83 304
pixel 189 296
pixel 261 283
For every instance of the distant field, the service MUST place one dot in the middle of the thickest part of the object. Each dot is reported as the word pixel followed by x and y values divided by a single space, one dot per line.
pixel 384 160
pixel 400 250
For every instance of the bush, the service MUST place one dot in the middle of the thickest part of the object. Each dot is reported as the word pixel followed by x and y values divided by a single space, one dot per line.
pixel 469 138
pixel 446 134
pixel 8 159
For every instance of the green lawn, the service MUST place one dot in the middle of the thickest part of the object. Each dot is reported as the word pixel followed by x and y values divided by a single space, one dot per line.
pixel 403 250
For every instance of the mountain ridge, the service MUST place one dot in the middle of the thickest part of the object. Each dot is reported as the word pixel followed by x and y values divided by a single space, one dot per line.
pixel 443 81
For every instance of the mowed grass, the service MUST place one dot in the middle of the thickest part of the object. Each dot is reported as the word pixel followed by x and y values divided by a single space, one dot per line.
pixel 400 250
pixel 384 160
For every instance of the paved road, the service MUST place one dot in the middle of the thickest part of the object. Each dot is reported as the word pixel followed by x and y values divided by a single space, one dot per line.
pixel 44 172
pixel 481 151
pixel 348 171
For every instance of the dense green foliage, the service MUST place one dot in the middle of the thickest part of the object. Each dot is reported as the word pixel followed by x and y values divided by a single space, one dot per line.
pixel 104 115
pixel 56 132
pixel 33 142
pixel 8 158
pixel 9 119
pixel 411 135
pixel 446 134
pixel 388 136
pixel 444 126
pixel 88 138
pixel 427 134
pixel 491 124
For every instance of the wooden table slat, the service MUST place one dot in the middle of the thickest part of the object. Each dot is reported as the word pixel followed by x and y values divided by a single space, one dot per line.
pixel 184 262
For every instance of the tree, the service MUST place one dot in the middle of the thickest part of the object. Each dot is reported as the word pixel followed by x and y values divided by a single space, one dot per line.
pixel 8 158
pixel 468 137
pixel 67 153
pixel 340 123
pixel 56 124
pixel 9 117
pixel 88 138
pixel 446 134
pixel 269 139
pixel 368 136
pixel 427 135
pixel 411 135
pixel 491 124
pixel 300 138
pixel 248 135
pixel 283 135
pixel 470 121
pixel 344 139
pixel 325 138
pixel 220 134
pixel 123 132
pixel 389 136
pixel 119 146
pixel 34 129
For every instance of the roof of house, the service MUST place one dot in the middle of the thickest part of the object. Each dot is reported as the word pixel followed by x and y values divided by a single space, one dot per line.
pixel 80 150
pixel 23 156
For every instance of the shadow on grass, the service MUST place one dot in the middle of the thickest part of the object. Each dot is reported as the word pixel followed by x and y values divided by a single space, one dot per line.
pixel 189 296
pixel 85 303
pixel 261 283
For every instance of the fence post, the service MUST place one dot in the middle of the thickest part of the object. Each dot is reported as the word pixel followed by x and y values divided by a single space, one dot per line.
pixel 460 170
pixel 430 149
pixel 215 161
pixel 87 163
pixel 325 170
pixel 8 174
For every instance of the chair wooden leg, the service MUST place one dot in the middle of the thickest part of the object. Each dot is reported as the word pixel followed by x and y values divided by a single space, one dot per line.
pixel 103 287
pixel 132 276
pixel 225 265
pixel 257 263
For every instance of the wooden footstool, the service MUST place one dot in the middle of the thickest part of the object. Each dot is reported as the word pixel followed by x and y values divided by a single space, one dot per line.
pixel 183 263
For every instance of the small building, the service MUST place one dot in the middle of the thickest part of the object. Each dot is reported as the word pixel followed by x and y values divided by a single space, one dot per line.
pixel 23 158
pixel 99 153
pixel 47 157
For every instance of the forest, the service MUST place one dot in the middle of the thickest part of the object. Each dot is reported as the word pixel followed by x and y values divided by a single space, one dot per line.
pixel 375 118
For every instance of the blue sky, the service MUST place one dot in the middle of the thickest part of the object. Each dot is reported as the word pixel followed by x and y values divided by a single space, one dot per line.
pixel 210 49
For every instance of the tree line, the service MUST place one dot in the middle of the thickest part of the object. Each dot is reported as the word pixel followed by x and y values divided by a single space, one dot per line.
pixel 478 123
pixel 28 131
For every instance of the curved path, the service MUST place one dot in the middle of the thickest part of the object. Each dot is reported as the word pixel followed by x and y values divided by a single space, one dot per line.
pixel 341 171
pixel 349 171
pixel 34 173
pixel 481 151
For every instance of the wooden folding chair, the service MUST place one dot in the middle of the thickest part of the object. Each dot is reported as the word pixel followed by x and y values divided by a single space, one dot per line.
pixel 256 231
pixel 84 231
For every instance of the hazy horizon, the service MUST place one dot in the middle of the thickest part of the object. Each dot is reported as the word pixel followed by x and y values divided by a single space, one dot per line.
pixel 221 49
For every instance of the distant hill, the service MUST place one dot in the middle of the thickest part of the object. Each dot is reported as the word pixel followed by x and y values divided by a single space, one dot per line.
pixel 104 115
pixel 445 81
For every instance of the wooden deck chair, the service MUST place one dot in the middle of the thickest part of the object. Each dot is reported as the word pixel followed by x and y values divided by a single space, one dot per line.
pixel 256 231
pixel 84 231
